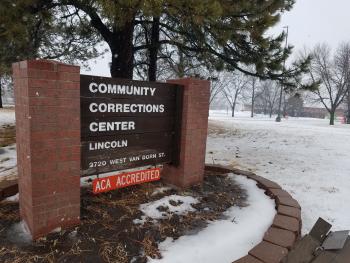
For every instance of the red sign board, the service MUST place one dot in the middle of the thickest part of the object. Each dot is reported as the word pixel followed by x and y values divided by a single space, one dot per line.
pixel 113 182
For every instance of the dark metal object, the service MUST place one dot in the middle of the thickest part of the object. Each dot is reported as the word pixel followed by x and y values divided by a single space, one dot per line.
pixel 312 249
pixel 320 230
pixel 155 139
pixel 335 240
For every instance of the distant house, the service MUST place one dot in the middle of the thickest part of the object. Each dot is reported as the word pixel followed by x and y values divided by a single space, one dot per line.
pixel 310 112
pixel 258 108
pixel 321 113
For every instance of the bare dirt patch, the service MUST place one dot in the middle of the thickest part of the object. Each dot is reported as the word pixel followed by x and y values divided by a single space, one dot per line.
pixel 216 130
pixel 107 232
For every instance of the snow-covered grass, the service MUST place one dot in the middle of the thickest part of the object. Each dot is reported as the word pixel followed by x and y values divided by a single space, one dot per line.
pixel 7 116
pixel 306 156
pixel 8 158
pixel 8 161
pixel 224 241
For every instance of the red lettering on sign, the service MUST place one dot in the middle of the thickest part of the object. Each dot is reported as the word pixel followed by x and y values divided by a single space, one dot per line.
pixel 105 184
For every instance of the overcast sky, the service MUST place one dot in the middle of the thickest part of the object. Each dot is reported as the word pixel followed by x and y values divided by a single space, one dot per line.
pixel 317 21
pixel 310 22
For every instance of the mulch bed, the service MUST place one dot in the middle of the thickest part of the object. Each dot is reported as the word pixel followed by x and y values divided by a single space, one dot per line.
pixel 107 232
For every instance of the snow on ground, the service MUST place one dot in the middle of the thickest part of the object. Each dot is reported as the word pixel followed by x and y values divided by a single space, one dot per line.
pixel 19 233
pixel 224 241
pixel 179 205
pixel 8 161
pixel 164 207
pixel 8 158
pixel 7 116
pixel 13 199
pixel 161 190
pixel 306 156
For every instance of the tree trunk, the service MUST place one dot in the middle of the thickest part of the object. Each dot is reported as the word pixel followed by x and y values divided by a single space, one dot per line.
pixel 235 102
pixel 233 107
pixel 122 52
pixel 180 65
pixel 253 101
pixel 1 106
pixel 284 106
pixel 332 117
pixel 278 119
pixel 153 50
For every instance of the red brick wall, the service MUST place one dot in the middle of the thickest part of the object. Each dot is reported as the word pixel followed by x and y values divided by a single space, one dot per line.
pixel 193 134
pixel 47 100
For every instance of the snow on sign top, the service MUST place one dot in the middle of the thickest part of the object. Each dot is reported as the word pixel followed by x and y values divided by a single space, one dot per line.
pixel 127 124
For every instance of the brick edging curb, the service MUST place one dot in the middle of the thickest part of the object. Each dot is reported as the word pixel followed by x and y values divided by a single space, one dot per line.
pixel 285 230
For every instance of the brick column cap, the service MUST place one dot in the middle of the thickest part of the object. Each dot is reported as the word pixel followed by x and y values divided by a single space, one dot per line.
pixel 42 64
pixel 186 80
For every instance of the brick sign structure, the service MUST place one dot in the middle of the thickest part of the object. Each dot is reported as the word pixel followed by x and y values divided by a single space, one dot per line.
pixel 68 126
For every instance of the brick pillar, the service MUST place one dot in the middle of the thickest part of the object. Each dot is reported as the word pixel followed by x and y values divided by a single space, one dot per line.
pixel 47 96
pixel 194 128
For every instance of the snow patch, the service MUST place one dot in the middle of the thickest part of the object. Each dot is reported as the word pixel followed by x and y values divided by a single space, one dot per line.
pixel 161 190
pixel 7 116
pixel 19 233
pixel 14 198
pixel 164 207
pixel 224 241
pixel 56 230
pixel 183 205
pixel 8 160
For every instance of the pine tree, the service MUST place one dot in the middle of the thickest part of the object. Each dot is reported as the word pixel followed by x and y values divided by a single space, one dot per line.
pixel 26 33
pixel 223 34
